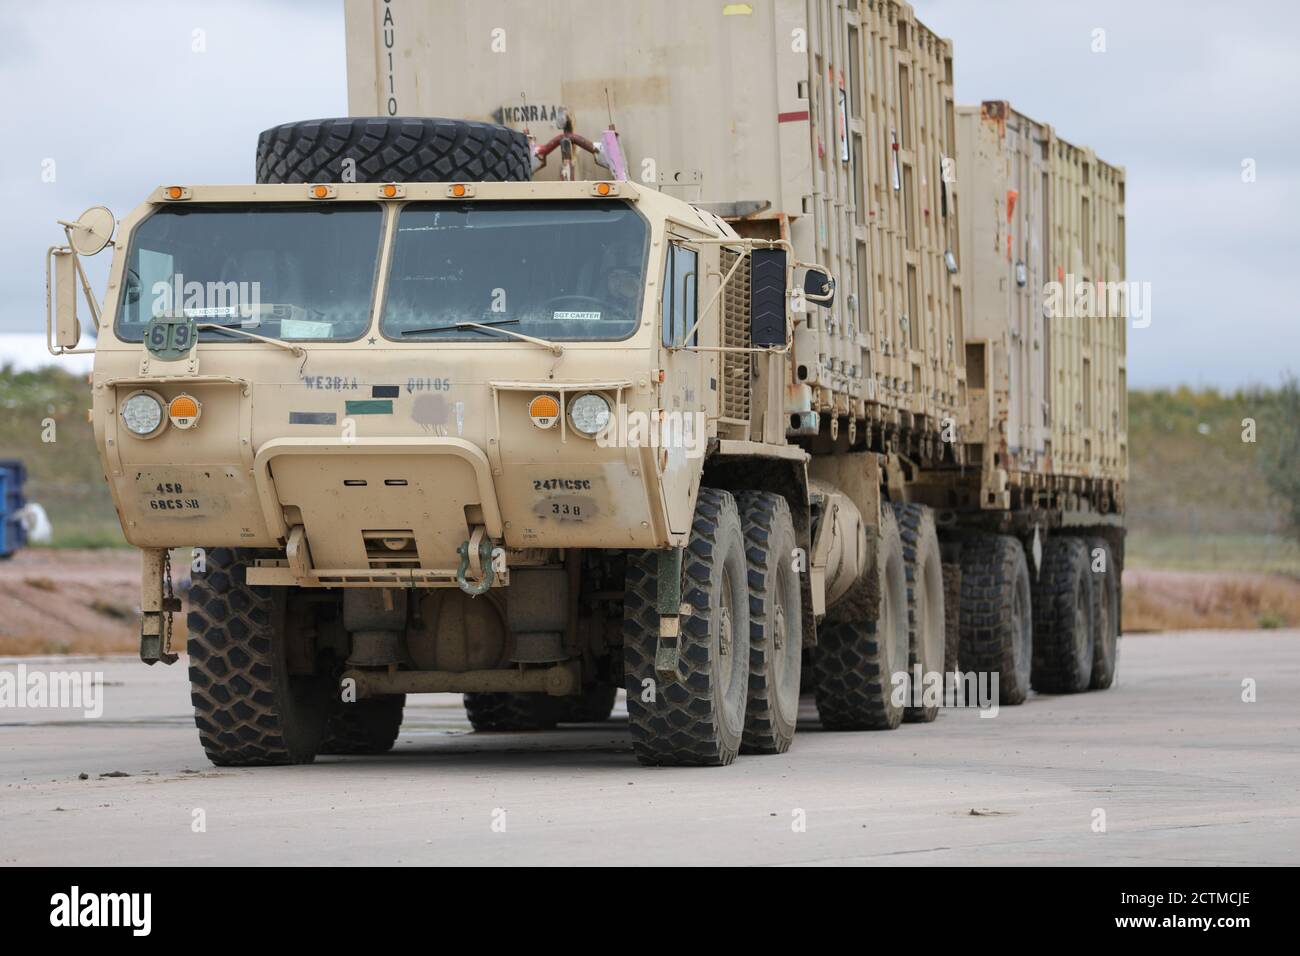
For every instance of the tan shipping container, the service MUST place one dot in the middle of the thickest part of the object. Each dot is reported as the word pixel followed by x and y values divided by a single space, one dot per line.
pixel 825 121
pixel 1047 378
pixel 1088 389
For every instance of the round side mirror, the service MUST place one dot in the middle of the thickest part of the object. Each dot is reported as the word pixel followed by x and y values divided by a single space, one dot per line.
pixel 92 231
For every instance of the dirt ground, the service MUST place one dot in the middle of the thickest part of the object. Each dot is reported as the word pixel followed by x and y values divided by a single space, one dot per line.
pixel 87 601
pixel 1217 600
pixel 71 602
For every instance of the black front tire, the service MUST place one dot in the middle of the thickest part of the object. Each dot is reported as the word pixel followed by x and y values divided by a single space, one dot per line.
pixel 698 718
pixel 248 708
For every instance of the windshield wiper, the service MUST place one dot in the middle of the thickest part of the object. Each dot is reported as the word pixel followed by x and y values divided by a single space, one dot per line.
pixel 460 325
pixel 495 326
pixel 236 330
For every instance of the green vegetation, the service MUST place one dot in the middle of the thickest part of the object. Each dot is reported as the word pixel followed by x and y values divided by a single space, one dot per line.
pixel 1199 497
pixel 1282 460
pixel 64 475
pixel 1199 494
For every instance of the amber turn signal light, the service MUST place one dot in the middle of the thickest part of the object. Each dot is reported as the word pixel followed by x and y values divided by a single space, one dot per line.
pixel 544 410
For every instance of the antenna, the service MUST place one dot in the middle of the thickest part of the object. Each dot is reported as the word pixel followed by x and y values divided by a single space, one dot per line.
pixel 609 109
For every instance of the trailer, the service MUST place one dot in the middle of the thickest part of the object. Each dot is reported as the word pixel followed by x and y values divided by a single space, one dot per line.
pixel 649 371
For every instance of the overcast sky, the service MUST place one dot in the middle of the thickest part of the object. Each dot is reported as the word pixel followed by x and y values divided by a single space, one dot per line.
pixel 118 97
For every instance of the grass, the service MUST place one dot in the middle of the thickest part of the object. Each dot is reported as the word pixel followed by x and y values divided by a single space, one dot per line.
pixel 1191 473
pixel 1197 498
pixel 1260 553
pixel 63 475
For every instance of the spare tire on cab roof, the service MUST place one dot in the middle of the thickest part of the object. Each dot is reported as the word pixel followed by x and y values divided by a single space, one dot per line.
pixel 392 149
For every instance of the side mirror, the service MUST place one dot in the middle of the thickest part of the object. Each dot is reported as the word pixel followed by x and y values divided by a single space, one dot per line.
pixel 819 287
pixel 92 231
pixel 767 298
pixel 67 328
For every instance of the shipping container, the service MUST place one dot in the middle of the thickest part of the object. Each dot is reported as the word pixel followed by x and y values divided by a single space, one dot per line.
pixel 826 122
pixel 1087 335
pixel 1046 332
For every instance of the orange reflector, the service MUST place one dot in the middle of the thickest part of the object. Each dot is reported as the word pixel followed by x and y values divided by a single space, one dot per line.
pixel 602 189
pixel 183 407
pixel 320 192
pixel 390 191
pixel 175 192
pixel 183 411
pixel 458 190
pixel 544 410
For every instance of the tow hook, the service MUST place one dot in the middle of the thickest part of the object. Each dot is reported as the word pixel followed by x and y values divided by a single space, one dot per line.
pixel 480 546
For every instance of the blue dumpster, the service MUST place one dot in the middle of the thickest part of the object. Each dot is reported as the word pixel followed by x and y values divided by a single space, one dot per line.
pixel 12 534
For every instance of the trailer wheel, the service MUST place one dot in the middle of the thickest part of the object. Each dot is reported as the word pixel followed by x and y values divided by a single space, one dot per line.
pixel 699 718
pixel 997 614
pixel 923 567
pixel 775 624
pixel 247 706
pixel 1063 612
pixel 855 661
pixel 367 726
pixel 509 712
pixel 592 706
pixel 1105 651
pixel 391 149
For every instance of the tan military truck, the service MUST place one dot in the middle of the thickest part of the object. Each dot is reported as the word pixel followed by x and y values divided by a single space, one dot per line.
pixel 439 414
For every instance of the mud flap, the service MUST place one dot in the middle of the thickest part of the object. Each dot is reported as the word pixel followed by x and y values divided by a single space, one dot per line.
pixel 668 602
pixel 157 604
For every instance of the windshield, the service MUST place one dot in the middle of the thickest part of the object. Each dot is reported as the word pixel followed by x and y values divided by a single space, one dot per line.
pixel 564 271
pixel 287 271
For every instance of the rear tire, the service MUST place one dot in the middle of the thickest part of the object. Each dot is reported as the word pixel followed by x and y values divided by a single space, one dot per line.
pixel 698 718
pixel 250 711
pixel 855 661
pixel 1063 611
pixel 509 712
pixel 775 624
pixel 365 727
pixel 926 633
pixel 392 149
pixel 592 706
pixel 997 614
pixel 1105 651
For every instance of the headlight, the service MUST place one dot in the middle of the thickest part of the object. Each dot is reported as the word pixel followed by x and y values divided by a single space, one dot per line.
pixel 590 414
pixel 142 413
